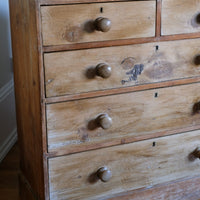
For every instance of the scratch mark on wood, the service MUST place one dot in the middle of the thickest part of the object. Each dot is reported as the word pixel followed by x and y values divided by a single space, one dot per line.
pixel 49 81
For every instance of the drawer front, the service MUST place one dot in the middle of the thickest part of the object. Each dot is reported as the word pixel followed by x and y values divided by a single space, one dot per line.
pixel 120 66
pixel 93 123
pixel 137 165
pixel 67 24
pixel 180 16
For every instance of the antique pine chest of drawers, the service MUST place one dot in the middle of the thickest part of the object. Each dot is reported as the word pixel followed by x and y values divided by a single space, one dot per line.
pixel 108 98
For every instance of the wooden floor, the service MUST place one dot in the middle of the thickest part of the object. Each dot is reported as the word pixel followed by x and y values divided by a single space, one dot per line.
pixel 9 169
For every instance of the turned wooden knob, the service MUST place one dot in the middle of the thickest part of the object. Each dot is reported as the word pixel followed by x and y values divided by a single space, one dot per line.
pixel 197 60
pixel 196 153
pixel 103 70
pixel 104 174
pixel 102 24
pixel 104 121
pixel 198 18
pixel 196 108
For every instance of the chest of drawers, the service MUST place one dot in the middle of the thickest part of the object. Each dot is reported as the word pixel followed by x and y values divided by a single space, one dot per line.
pixel 107 97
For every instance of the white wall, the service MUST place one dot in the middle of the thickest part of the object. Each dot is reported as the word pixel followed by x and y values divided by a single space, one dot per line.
pixel 7 105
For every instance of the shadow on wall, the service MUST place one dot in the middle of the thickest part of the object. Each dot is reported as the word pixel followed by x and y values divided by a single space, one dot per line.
pixel 8 134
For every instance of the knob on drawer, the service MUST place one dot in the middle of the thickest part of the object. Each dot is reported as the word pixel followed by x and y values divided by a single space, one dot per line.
pixel 196 108
pixel 104 174
pixel 104 121
pixel 103 70
pixel 102 24
pixel 196 152
pixel 197 60
pixel 198 18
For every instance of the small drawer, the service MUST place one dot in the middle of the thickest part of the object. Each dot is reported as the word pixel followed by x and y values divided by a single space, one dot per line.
pixel 66 24
pixel 97 122
pixel 98 174
pixel 180 16
pixel 116 67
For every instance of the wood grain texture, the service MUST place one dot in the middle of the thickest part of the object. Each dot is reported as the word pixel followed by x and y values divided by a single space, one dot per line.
pixel 180 16
pixel 137 165
pixel 186 189
pixel 67 24
pixel 61 2
pixel 131 65
pixel 122 90
pixel 27 92
pixel 71 125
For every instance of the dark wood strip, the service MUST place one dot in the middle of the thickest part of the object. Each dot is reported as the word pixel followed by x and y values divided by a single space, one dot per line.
pixel 119 42
pixel 42 93
pixel 158 18
pixel 27 92
pixel 62 2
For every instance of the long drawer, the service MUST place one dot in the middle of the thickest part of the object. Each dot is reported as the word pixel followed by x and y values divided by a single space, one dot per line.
pixel 66 24
pixel 103 121
pixel 180 16
pixel 126 167
pixel 115 67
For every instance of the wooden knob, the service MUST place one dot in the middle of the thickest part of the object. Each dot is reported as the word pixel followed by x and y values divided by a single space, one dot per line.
pixel 196 108
pixel 104 121
pixel 103 70
pixel 196 153
pixel 198 19
pixel 197 60
pixel 102 24
pixel 104 174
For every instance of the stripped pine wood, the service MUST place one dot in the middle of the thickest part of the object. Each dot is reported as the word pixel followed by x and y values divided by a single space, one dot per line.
pixel 178 190
pixel 184 189
pixel 180 16
pixel 65 24
pixel 69 124
pixel 131 65
pixel 72 125
pixel 122 90
pixel 137 165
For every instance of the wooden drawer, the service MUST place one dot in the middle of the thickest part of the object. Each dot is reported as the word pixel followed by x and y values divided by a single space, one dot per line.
pixel 65 24
pixel 180 16
pixel 74 126
pixel 137 165
pixel 130 65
